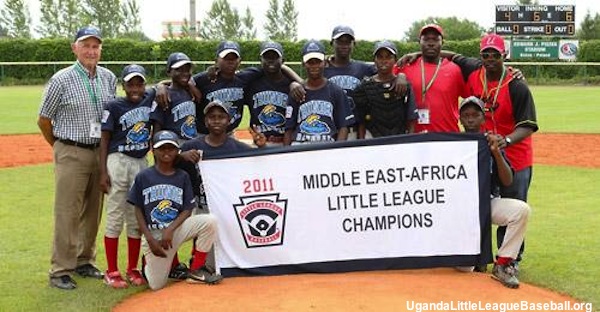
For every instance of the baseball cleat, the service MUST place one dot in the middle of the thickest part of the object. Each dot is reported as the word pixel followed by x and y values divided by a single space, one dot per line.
pixel 202 275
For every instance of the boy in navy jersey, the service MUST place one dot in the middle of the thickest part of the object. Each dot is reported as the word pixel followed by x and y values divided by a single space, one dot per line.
pixel 325 113
pixel 123 147
pixel 180 116
pixel 163 200
pixel 267 96
pixel 216 142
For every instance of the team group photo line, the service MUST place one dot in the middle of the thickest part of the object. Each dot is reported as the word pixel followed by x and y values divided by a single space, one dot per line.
pixel 400 161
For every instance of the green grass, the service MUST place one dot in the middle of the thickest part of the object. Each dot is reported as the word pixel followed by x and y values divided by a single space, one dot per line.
pixel 562 236
pixel 567 109
pixel 19 109
pixel 562 241
pixel 559 109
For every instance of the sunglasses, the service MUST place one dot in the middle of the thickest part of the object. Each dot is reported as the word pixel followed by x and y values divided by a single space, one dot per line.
pixel 491 55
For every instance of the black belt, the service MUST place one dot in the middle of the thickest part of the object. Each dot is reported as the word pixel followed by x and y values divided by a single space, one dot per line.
pixel 82 145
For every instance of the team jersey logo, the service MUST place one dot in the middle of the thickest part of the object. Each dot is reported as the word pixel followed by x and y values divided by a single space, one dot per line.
pixel 269 116
pixel 163 213
pixel 233 112
pixel 261 219
pixel 138 133
pixel 188 128
pixel 312 125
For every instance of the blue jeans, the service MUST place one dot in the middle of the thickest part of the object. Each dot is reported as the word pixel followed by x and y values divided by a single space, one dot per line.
pixel 518 190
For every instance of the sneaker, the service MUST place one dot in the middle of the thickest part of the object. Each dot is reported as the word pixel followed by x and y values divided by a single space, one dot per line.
pixel 515 265
pixel 135 278
pixel 179 272
pixel 505 274
pixel 202 275
pixel 114 280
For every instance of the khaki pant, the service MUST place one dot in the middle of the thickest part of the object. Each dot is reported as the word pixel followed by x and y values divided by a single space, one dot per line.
pixel 122 170
pixel 203 227
pixel 77 207
pixel 513 214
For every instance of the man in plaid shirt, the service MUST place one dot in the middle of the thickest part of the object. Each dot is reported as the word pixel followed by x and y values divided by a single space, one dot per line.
pixel 69 119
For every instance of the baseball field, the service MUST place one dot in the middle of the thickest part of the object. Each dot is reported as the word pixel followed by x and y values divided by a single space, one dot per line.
pixel 560 265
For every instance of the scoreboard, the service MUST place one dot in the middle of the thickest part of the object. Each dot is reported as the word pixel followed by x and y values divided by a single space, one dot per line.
pixel 535 20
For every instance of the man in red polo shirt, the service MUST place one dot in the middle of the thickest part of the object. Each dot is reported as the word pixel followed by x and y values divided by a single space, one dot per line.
pixel 510 110
pixel 437 84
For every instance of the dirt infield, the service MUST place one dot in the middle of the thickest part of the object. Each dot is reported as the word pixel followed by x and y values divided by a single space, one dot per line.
pixel 377 291
pixel 578 150
pixel 398 290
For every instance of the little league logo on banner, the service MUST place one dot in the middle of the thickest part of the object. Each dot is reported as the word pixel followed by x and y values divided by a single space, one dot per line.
pixel 261 219
pixel 400 202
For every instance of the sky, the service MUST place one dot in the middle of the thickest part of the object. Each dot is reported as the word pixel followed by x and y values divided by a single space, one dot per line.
pixel 371 20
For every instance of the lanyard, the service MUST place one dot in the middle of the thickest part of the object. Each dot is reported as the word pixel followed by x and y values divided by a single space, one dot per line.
pixel 94 94
pixel 486 93
pixel 425 87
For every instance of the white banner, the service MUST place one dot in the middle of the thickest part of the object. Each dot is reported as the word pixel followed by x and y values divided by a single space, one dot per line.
pixel 391 201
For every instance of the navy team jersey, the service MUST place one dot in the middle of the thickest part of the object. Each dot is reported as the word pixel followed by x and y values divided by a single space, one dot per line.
pixel 230 146
pixel 180 117
pixel 230 92
pixel 320 116
pixel 267 101
pixel 349 77
pixel 161 197
pixel 129 125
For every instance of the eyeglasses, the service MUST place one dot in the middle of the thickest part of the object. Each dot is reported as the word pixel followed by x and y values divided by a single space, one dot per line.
pixel 491 55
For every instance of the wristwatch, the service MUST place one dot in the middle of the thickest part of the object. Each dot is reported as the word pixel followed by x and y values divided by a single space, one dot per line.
pixel 508 141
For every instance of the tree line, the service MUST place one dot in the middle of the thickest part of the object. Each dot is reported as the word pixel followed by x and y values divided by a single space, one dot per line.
pixel 121 19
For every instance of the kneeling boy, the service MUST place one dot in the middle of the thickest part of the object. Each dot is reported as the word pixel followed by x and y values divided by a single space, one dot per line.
pixel 163 200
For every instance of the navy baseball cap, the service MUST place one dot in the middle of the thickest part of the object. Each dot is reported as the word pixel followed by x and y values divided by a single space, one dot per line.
pixel 88 32
pixel 177 60
pixel 216 103
pixel 313 49
pixel 341 30
pixel 133 70
pixel 385 44
pixel 437 28
pixel 165 137
pixel 271 46
pixel 475 101
pixel 226 47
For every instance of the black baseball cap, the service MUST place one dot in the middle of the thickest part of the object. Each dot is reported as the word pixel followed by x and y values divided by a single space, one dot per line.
pixel 385 44
pixel 177 60
pixel 341 30
pixel 271 46
pixel 133 70
pixel 313 49
pixel 165 137
pixel 88 32
pixel 226 47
